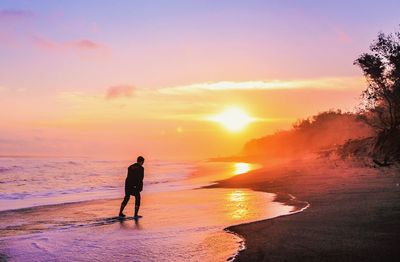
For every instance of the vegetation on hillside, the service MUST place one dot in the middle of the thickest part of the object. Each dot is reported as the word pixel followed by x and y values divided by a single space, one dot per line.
pixel 322 131
pixel 381 98
pixel 373 131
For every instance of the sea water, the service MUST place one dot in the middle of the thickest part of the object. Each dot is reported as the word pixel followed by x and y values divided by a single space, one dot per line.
pixel 34 181
pixel 44 218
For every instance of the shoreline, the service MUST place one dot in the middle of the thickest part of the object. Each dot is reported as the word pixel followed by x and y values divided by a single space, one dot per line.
pixel 56 227
pixel 351 211
pixel 344 221
pixel 302 205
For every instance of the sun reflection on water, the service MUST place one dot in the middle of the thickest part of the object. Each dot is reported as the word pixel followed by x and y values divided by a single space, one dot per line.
pixel 241 168
pixel 238 206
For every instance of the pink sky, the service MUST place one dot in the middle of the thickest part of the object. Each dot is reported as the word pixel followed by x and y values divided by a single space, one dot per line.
pixel 127 79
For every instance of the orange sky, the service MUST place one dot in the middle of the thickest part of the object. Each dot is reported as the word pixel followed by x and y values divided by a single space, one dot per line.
pixel 167 122
pixel 115 81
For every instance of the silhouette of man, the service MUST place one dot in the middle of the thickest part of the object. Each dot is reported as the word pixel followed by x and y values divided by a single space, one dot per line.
pixel 133 185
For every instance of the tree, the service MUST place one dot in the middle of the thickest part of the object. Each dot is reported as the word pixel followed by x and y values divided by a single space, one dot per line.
pixel 381 67
pixel 381 108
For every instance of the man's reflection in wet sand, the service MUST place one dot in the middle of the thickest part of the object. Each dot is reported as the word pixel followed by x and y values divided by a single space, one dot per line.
pixel 129 224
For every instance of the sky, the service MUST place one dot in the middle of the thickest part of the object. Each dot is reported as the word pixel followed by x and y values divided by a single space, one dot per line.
pixel 114 79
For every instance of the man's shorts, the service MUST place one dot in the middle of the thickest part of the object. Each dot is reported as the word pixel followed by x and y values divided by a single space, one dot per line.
pixel 132 191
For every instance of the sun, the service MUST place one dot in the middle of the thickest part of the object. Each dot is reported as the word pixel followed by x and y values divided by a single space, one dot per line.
pixel 234 119
pixel 241 168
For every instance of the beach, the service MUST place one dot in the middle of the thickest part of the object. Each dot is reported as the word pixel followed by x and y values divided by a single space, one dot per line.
pixel 353 214
pixel 305 209
pixel 199 131
pixel 181 221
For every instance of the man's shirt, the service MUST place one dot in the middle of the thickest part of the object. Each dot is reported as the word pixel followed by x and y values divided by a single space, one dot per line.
pixel 135 176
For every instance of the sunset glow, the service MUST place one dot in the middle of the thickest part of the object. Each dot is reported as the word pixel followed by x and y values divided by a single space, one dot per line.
pixel 195 130
pixel 239 204
pixel 234 119
pixel 241 168
pixel 137 76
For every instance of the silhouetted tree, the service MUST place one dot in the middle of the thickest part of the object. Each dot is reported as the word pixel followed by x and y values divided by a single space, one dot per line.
pixel 381 108
pixel 381 67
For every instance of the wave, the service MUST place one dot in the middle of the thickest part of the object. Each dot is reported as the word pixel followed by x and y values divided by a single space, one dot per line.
pixel 10 168
pixel 50 181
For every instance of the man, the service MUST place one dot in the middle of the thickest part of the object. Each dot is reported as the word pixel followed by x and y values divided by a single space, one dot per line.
pixel 133 186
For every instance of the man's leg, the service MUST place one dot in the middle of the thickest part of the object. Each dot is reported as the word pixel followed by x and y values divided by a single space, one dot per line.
pixel 123 204
pixel 137 203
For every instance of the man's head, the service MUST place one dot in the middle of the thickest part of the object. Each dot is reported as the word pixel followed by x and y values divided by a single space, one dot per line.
pixel 140 160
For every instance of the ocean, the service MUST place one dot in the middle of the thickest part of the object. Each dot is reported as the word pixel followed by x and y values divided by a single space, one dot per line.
pixel 64 209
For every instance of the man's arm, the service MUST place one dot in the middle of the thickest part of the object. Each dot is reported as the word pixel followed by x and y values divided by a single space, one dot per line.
pixel 141 176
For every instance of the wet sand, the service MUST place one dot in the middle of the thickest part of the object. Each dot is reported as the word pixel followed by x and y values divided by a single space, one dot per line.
pixel 354 213
pixel 182 225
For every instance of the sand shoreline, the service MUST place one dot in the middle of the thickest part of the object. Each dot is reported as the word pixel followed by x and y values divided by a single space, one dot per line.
pixel 298 206
pixel 53 232
pixel 353 216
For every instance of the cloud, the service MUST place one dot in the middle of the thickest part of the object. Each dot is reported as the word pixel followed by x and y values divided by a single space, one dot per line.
pixel 319 83
pixel 10 22
pixel 342 36
pixel 80 47
pixel 43 43
pixel 119 91
pixel 14 14
pixel 84 44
